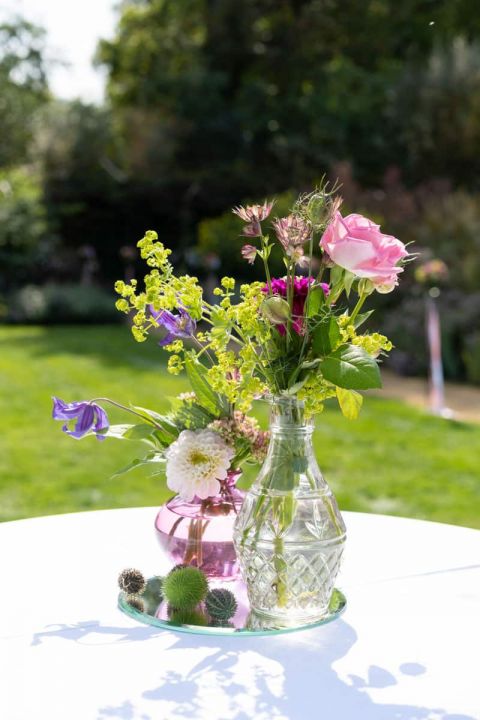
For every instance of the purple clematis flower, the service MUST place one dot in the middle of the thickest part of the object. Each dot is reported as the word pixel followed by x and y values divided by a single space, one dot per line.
pixel 88 416
pixel 177 326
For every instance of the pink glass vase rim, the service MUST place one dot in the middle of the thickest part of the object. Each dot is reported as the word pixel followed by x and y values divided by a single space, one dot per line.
pixel 228 484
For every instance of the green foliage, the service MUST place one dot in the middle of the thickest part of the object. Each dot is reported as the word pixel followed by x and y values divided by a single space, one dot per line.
pixel 60 303
pixel 185 588
pixel 23 87
pixel 24 237
pixel 351 367
pixel 222 237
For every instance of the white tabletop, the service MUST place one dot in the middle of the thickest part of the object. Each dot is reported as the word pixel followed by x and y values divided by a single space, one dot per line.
pixel 407 647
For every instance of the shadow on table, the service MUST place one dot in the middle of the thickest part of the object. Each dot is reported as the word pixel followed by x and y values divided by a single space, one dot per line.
pixel 263 678
pixel 77 632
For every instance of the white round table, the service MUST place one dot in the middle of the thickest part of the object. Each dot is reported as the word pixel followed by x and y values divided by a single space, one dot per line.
pixel 407 647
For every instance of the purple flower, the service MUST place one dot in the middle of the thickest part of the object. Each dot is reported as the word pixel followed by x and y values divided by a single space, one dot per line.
pixel 88 416
pixel 301 286
pixel 177 326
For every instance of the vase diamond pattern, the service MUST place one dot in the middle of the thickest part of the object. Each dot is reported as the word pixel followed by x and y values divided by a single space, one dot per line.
pixel 289 534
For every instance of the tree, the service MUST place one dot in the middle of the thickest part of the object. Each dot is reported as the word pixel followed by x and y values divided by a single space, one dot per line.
pixel 23 86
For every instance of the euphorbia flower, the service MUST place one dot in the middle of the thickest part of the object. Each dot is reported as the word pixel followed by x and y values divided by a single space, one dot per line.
pixel 88 416
pixel 177 326
pixel 300 291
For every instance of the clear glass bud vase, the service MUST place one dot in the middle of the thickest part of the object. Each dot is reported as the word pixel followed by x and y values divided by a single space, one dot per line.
pixel 289 534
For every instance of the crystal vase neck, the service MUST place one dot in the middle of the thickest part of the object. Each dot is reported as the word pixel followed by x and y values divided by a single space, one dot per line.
pixel 290 464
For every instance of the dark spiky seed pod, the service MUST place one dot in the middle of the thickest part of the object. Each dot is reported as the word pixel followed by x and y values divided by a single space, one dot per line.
pixel 185 588
pixel 214 622
pixel 180 566
pixel 136 602
pixel 131 581
pixel 188 617
pixel 221 604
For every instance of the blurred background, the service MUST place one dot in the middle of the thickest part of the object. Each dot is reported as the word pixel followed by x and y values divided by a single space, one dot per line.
pixel 120 117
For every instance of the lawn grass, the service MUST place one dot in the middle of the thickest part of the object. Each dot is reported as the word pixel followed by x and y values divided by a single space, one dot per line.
pixel 394 459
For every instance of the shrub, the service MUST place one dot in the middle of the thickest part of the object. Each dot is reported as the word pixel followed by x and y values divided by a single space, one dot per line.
pixel 54 304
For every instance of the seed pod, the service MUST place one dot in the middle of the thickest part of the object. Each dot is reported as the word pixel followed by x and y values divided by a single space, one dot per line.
pixel 221 604
pixel 136 602
pixel 131 581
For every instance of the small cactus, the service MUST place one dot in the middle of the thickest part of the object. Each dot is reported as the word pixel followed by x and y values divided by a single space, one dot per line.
pixel 188 617
pixel 185 588
pixel 136 602
pixel 221 604
pixel 131 581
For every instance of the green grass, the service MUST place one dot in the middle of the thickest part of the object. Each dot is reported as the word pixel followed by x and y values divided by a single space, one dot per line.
pixel 393 460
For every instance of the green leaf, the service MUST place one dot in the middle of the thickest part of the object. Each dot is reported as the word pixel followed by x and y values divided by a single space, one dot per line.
pixel 351 367
pixel 348 279
pixel 207 397
pixel 315 300
pixel 147 460
pixel 336 275
pixel 139 432
pixel 117 431
pixel 326 336
pixel 363 317
pixel 293 389
pixel 350 403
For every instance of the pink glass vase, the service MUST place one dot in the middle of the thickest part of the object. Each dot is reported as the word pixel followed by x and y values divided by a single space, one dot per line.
pixel 200 533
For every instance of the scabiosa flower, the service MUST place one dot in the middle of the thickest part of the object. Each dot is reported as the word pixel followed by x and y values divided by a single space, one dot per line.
pixel 254 213
pixel 88 415
pixel 177 326
pixel 300 291
pixel 249 253
pixel 196 462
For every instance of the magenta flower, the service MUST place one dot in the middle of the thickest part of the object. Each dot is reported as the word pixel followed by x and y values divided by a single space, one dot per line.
pixel 88 416
pixel 254 213
pixel 177 326
pixel 301 286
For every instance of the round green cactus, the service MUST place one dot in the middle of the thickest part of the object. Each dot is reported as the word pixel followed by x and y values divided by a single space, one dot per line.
pixel 188 617
pixel 221 604
pixel 185 588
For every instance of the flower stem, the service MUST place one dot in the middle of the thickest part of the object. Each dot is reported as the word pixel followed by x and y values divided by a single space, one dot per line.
pixel 265 264
pixel 127 409
pixel 358 306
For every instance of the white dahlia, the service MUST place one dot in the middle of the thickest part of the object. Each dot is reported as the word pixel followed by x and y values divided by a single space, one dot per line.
pixel 196 461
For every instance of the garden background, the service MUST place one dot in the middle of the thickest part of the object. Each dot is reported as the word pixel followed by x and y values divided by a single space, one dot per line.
pixel 210 104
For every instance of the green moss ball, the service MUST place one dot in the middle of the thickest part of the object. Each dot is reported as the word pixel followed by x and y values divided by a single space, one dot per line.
pixel 221 604
pixel 185 588
pixel 188 617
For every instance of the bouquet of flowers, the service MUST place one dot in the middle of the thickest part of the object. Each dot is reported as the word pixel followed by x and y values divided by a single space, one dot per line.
pixel 293 337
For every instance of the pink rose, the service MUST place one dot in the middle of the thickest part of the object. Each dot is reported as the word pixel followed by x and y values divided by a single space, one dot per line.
pixel 356 244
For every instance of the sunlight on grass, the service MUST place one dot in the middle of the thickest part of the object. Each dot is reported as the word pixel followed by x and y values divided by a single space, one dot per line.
pixel 393 460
